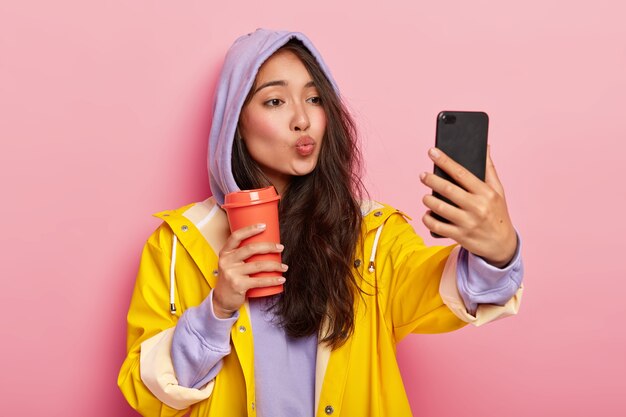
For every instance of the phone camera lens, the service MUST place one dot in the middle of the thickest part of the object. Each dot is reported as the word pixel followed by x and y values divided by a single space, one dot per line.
pixel 448 119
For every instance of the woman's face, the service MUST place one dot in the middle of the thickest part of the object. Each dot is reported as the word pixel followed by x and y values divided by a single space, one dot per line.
pixel 283 124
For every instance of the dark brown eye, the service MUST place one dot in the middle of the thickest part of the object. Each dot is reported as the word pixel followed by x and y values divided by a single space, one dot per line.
pixel 273 102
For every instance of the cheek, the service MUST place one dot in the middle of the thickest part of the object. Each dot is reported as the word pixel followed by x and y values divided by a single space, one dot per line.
pixel 318 121
pixel 255 126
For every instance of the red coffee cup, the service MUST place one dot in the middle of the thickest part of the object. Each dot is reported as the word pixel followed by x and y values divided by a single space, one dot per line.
pixel 249 207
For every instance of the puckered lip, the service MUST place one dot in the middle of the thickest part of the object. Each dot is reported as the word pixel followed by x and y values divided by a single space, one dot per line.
pixel 305 141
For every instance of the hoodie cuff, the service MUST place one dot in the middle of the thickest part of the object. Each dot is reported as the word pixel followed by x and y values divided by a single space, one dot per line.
pixel 482 283
pixel 199 343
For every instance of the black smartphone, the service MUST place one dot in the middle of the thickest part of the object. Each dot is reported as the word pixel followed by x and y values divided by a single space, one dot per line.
pixel 462 135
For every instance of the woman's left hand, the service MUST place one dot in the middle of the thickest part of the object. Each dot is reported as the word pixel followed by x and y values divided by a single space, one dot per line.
pixel 481 222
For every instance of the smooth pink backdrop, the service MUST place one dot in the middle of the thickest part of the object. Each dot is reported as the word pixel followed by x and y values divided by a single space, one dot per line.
pixel 104 115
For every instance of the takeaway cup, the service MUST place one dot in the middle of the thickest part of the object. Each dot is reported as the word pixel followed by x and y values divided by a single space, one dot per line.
pixel 249 207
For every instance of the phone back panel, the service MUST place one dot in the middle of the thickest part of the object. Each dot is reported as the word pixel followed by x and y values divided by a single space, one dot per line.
pixel 462 135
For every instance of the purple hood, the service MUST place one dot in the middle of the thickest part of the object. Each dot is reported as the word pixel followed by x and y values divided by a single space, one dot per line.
pixel 241 65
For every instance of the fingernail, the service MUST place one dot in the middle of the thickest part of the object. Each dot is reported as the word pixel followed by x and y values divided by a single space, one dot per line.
pixel 279 246
pixel 281 280
pixel 434 152
pixel 422 176
pixel 261 226
pixel 284 267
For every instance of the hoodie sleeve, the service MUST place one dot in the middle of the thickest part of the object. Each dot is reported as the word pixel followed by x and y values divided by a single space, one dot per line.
pixel 200 342
pixel 481 283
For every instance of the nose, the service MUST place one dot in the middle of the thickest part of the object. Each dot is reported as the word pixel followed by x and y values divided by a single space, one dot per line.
pixel 300 120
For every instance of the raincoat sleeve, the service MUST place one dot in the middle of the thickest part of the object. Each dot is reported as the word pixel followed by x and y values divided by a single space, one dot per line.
pixel 150 331
pixel 409 282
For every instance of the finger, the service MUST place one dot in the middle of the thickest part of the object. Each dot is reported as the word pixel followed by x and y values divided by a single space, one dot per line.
pixel 438 227
pixel 448 211
pixel 457 172
pixel 235 238
pixel 250 268
pixel 445 188
pixel 491 176
pixel 264 282
pixel 246 251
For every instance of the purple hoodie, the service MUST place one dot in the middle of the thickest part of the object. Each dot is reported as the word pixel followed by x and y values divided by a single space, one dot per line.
pixel 201 340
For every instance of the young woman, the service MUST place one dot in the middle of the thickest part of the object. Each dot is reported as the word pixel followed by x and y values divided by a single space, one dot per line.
pixel 357 279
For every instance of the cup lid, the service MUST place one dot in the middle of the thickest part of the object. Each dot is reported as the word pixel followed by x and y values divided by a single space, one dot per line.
pixel 250 197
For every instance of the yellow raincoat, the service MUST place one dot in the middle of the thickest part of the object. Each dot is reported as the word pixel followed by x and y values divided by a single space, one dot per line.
pixel 399 274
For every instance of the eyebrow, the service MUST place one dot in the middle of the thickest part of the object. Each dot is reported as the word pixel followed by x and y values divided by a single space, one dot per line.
pixel 281 83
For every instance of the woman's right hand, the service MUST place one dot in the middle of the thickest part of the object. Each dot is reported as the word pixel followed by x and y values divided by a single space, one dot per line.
pixel 233 276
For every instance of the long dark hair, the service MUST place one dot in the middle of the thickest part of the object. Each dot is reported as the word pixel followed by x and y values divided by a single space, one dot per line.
pixel 320 221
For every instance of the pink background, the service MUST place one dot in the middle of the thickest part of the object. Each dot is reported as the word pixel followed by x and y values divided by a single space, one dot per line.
pixel 104 115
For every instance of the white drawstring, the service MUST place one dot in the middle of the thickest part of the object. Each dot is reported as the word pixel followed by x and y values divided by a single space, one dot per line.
pixel 371 267
pixel 173 276
pixel 200 224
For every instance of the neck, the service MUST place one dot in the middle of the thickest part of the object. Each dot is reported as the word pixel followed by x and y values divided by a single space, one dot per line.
pixel 279 182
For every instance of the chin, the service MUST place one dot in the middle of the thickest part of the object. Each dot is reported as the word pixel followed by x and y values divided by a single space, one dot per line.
pixel 302 171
